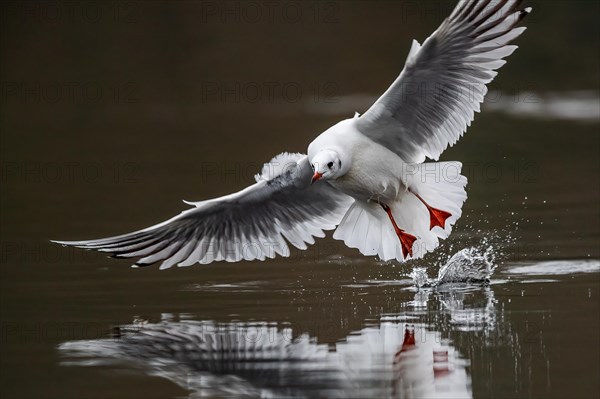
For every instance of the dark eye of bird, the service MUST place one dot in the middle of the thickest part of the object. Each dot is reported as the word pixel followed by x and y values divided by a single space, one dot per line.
pixel 330 165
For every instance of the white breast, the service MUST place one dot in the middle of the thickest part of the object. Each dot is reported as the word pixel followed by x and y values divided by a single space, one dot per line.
pixel 374 172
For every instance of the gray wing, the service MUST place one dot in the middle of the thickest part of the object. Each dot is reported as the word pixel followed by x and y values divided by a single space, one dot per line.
pixel 250 224
pixel 443 83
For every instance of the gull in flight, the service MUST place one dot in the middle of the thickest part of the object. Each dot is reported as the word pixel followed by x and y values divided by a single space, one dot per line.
pixel 366 177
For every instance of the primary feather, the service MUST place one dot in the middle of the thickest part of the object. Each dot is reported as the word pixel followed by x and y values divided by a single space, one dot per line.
pixel 433 101
pixel 251 224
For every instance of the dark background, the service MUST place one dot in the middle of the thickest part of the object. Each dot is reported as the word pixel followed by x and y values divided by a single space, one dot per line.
pixel 113 112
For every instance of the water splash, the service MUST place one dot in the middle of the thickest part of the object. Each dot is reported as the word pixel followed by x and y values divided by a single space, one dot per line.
pixel 469 265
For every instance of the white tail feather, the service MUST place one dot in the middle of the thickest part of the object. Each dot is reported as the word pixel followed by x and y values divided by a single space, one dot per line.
pixel 367 227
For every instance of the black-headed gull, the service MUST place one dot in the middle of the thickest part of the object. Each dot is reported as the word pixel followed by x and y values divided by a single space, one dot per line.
pixel 365 175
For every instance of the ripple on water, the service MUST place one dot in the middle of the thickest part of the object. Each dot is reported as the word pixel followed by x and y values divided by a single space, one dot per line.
pixel 554 268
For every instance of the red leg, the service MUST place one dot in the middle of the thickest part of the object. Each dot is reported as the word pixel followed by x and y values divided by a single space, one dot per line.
pixel 437 217
pixel 406 240
pixel 408 343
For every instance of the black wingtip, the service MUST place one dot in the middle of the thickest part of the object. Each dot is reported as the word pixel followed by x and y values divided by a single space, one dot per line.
pixel 523 13
pixel 140 264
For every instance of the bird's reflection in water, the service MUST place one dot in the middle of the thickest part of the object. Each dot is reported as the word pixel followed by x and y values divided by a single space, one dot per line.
pixel 403 356
pixel 426 367
pixel 461 308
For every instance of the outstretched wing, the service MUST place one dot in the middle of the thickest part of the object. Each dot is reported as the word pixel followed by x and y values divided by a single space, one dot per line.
pixel 443 83
pixel 250 224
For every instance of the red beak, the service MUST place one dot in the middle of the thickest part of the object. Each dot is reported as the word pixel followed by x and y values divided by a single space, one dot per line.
pixel 316 177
